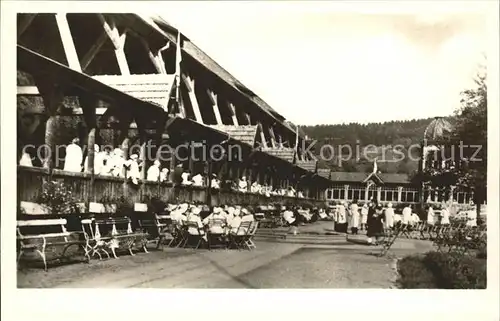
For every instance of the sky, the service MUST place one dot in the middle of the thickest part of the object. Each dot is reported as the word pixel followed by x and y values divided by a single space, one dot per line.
pixel 324 64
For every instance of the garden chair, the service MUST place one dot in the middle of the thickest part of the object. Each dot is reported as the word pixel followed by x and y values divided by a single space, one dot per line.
pixel 238 238
pixel 214 237
pixel 194 234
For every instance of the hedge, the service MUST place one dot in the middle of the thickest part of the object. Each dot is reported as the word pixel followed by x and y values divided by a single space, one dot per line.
pixel 442 271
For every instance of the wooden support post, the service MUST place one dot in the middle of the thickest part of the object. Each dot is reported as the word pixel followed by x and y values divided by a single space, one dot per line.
pixel 173 160
pixel 232 108
pixel 400 191
pixel 249 173
pixel 190 157
pixel 262 136
pixel 118 42
pixel 213 99
pixel 52 97
pixel 25 23
pixel 67 41
pixel 120 56
pixel 89 106
pixel 379 192
pixel 189 82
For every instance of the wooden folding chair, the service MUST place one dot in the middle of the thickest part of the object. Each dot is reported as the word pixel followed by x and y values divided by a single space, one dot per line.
pixel 190 235
pixel 391 238
pixel 238 239
pixel 248 240
pixel 179 232
pixel 216 239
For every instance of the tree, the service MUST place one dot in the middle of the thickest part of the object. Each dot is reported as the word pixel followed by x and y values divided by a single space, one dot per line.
pixel 467 144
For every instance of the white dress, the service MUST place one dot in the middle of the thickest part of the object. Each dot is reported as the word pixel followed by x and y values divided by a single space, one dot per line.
pixel 430 216
pixel 197 180
pixel 406 215
pixel 354 215
pixel 107 165
pixel 389 217
pixel 98 163
pixel 153 173
pixel 342 215
pixel 73 159
pixel 364 215
pixel 185 179
pixel 117 163
pixel 445 217
pixel 133 170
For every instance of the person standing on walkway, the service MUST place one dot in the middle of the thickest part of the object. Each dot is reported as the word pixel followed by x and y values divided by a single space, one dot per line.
pixel 445 216
pixel 389 216
pixel 431 216
pixel 375 225
pixel 407 215
pixel 364 216
pixel 342 218
pixel 354 210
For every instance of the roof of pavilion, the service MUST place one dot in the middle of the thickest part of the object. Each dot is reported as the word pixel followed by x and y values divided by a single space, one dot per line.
pixel 357 177
pixel 192 50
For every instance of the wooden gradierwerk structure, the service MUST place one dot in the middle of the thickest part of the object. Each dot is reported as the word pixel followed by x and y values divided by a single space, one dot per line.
pixel 127 79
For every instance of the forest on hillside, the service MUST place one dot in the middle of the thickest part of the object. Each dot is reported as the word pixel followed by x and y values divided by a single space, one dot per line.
pixel 393 141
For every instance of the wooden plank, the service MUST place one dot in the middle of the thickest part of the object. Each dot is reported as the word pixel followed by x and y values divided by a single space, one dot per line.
pixel 213 99
pixel 92 52
pixel 67 41
pixel 145 79
pixel 28 90
pixel 48 222
pixel 152 88
pixel 25 23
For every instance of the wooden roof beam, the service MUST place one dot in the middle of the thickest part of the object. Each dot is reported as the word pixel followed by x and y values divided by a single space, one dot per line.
pixel 213 99
pixel 92 52
pixel 189 82
pixel 232 109
pixel 67 41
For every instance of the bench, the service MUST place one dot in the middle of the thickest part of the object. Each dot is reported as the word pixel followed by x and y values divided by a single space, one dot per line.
pixel 110 233
pixel 37 241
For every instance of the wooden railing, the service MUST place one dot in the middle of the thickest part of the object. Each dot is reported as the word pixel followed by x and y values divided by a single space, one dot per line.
pixel 30 182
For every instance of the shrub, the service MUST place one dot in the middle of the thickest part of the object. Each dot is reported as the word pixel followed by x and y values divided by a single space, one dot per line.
pixel 443 271
pixel 57 198
pixel 413 274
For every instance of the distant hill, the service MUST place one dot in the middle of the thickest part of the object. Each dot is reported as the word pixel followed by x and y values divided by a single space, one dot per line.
pixel 395 137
